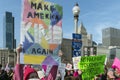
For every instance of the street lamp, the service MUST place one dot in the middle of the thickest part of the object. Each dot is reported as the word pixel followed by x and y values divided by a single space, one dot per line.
pixel 76 11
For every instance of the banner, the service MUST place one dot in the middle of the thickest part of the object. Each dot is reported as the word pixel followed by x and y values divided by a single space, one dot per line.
pixel 91 66
pixel 41 30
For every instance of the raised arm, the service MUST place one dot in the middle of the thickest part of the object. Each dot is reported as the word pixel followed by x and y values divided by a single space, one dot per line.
pixel 18 74
pixel 18 50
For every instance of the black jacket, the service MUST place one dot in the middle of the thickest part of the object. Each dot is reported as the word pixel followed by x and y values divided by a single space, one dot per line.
pixel 3 75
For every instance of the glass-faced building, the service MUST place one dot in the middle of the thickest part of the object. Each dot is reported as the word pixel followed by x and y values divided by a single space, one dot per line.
pixel 8 31
pixel 111 37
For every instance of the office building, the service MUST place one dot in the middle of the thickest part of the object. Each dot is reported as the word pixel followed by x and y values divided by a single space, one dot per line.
pixel 7 56
pixel 8 31
pixel 111 37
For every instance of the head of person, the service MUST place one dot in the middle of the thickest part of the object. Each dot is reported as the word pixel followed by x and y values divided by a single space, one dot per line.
pixel 110 74
pixel 79 72
pixel 30 73
pixel 117 72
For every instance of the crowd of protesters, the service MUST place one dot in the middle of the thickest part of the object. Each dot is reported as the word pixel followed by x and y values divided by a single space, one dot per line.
pixel 109 74
pixel 6 74
pixel 26 72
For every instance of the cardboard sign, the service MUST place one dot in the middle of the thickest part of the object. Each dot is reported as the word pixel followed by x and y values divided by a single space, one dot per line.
pixel 116 63
pixel 75 62
pixel 41 30
pixel 91 66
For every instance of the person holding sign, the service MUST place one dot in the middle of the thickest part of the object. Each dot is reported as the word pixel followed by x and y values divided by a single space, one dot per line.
pixel 21 72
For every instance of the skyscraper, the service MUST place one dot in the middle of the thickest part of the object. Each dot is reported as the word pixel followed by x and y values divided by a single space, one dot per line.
pixel 111 37
pixel 8 31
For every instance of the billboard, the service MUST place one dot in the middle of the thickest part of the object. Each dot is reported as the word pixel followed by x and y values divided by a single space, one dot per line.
pixel 41 30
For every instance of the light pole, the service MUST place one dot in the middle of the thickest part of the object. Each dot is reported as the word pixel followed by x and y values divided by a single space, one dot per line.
pixel 76 11
pixel 76 41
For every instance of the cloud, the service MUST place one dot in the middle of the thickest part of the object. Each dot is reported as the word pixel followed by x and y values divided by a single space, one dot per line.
pixel 100 18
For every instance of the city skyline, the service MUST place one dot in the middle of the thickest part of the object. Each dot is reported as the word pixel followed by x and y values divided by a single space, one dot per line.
pixel 95 15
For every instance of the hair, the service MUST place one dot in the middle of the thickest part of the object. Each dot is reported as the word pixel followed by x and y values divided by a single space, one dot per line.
pixel 76 78
pixel 68 78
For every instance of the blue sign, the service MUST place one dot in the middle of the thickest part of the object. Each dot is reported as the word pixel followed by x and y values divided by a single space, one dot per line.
pixel 76 53
pixel 76 45
pixel 76 36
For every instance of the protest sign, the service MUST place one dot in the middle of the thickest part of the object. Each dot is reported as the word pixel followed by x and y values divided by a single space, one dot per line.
pixel 41 30
pixel 61 70
pixel 116 63
pixel 91 66
pixel 75 62
pixel 50 67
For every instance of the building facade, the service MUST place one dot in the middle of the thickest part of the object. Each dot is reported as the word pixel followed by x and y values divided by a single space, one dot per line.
pixel 8 31
pixel 111 37
pixel 66 45
pixel 7 56
pixel 86 38
pixel 66 48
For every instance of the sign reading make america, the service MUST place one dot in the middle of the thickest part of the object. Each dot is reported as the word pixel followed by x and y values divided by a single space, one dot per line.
pixel 41 30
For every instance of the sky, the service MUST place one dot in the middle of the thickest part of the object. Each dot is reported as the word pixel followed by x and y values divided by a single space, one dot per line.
pixel 94 14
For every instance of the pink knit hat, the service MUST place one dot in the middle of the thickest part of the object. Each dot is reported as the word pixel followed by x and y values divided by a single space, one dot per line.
pixel 27 71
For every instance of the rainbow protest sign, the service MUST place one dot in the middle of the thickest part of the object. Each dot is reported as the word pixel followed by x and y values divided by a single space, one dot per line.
pixel 41 30
pixel 91 66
